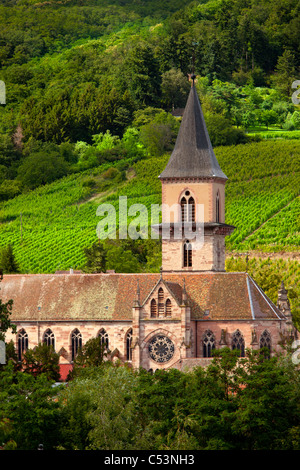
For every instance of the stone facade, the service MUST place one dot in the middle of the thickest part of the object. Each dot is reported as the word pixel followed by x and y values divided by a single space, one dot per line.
pixel 153 321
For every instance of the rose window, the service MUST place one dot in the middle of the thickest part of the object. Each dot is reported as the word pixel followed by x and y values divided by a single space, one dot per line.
pixel 161 348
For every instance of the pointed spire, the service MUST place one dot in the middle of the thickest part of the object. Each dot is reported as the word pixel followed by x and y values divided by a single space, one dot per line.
pixel 193 155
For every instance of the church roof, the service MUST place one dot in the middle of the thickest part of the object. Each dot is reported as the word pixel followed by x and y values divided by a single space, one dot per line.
pixel 74 297
pixel 193 155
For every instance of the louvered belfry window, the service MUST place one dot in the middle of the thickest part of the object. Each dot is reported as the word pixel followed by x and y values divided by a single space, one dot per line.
pixel 188 208
pixel 191 210
pixel 187 254
pixel 168 308
pixel 161 305
pixel 183 205
pixel 153 308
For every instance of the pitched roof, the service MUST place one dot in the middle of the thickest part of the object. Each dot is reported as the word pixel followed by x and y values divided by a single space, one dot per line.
pixel 225 296
pixel 193 155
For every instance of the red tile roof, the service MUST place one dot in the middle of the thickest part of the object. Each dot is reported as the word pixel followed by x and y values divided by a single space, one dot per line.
pixel 226 296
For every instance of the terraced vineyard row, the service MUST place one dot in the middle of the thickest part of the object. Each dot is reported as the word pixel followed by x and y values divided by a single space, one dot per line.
pixel 50 227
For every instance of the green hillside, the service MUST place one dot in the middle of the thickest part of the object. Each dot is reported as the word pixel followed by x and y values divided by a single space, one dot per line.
pixel 49 227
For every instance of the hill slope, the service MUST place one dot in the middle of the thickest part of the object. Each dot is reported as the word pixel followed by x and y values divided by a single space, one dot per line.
pixel 50 226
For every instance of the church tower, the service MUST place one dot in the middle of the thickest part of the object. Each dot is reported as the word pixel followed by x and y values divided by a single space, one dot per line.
pixel 193 193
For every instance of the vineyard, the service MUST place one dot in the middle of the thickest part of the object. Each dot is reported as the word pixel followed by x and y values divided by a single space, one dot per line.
pixel 262 195
pixel 49 227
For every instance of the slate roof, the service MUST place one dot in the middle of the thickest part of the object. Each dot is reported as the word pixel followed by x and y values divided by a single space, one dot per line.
pixel 57 297
pixel 193 155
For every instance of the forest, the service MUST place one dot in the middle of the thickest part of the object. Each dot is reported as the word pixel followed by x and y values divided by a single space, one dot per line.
pixel 81 71
pixel 82 68
pixel 249 403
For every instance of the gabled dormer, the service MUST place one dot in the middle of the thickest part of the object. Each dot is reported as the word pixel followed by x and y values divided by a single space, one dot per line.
pixel 163 302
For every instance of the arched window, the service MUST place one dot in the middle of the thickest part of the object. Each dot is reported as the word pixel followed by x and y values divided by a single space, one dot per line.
pixel 187 254
pixel 218 207
pixel 161 305
pixel 265 341
pixel 188 208
pixel 76 340
pixel 209 343
pixel 128 345
pixel 103 335
pixel 238 342
pixel 183 205
pixel 153 308
pixel 191 210
pixel 168 308
pixel 49 338
pixel 22 343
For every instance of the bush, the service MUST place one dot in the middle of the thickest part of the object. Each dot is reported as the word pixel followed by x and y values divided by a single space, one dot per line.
pixel 221 131
pixel 10 189
pixel 41 168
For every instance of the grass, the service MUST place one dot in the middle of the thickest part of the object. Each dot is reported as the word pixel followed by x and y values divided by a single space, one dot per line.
pixel 274 133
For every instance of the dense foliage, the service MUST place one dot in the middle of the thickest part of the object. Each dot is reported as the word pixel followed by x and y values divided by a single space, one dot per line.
pixel 245 404
pixel 80 68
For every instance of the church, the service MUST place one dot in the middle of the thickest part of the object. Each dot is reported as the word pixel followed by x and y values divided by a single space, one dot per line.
pixel 172 319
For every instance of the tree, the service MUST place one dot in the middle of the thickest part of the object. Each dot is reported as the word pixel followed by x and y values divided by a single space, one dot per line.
pixel 121 261
pixel 96 257
pixel 41 168
pixel 175 88
pixel 8 262
pixel 90 355
pixel 29 404
pixel 159 134
pixel 267 404
pixel 112 255
pixel 12 356
pixel 99 410
pixel 9 154
pixel 267 117
pixel 285 73
pixel 156 138
pixel 114 421
pixel 42 360
pixel 140 70
pixel 221 131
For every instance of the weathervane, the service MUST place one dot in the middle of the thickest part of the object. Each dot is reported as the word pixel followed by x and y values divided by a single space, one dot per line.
pixel 192 76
